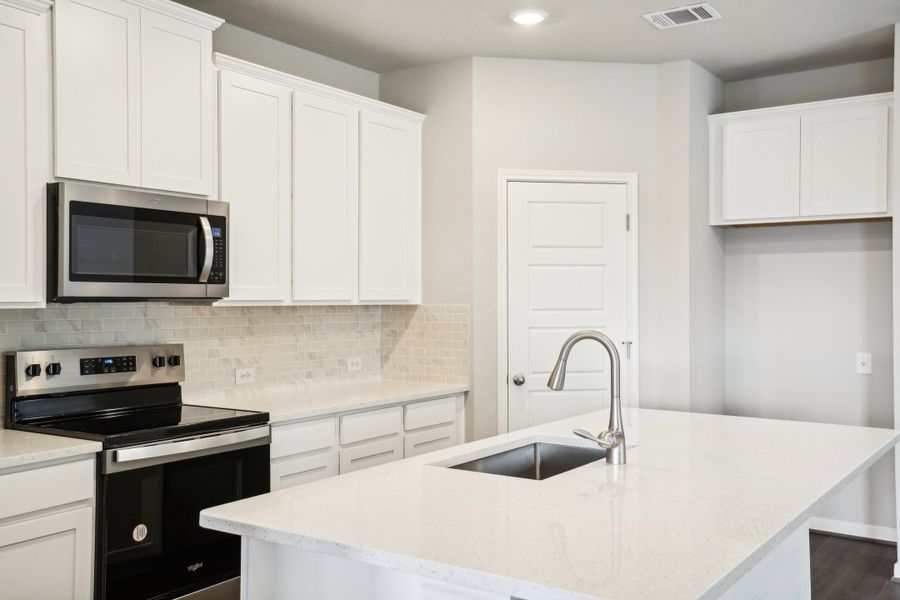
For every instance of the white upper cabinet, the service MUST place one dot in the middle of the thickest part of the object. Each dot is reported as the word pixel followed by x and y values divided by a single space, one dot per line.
pixel 389 209
pixel 25 155
pixel 176 104
pixel 808 162
pixel 761 178
pixel 845 161
pixel 255 179
pixel 326 193
pixel 325 197
pixel 98 82
pixel 134 101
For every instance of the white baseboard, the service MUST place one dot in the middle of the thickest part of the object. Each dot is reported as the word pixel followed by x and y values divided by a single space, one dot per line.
pixel 861 530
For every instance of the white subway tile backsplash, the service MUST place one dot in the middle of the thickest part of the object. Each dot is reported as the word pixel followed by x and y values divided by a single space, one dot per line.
pixel 287 345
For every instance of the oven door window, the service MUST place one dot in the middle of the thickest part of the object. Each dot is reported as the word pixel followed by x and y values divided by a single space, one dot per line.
pixel 153 544
pixel 119 243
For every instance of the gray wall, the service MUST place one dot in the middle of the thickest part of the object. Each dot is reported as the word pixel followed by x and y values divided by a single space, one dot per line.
pixel 443 92
pixel 808 86
pixel 802 300
pixel 540 114
pixel 256 48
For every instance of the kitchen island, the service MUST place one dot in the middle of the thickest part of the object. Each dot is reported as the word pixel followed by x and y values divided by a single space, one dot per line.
pixel 707 506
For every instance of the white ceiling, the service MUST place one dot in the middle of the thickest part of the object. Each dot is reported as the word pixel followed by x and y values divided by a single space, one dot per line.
pixel 755 37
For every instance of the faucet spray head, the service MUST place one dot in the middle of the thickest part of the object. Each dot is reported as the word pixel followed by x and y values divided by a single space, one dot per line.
pixel 557 379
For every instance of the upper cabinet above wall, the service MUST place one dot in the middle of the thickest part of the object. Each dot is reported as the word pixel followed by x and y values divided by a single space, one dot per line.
pixel 134 93
pixel 348 231
pixel 819 161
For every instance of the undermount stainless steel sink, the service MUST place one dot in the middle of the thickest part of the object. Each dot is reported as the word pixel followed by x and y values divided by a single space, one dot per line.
pixel 540 460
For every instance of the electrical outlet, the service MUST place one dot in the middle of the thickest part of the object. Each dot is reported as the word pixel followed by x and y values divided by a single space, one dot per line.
pixel 864 363
pixel 354 365
pixel 242 376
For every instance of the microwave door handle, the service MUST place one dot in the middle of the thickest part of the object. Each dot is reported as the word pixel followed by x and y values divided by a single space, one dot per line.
pixel 209 250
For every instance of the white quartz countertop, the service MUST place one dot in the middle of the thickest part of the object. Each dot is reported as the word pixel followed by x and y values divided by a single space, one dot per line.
pixel 702 499
pixel 19 448
pixel 297 402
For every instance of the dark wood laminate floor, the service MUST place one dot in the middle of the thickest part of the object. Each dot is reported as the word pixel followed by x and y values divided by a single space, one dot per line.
pixel 845 569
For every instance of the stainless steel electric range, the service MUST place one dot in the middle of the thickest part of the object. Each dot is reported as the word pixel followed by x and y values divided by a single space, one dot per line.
pixel 162 463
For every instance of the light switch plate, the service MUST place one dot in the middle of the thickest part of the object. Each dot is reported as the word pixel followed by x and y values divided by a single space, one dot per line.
pixel 864 363
pixel 354 365
pixel 244 375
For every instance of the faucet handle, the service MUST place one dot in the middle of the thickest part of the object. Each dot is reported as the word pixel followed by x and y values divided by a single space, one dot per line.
pixel 589 436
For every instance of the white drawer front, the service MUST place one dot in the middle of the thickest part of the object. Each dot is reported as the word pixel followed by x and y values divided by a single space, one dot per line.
pixel 420 442
pixel 363 426
pixel 429 413
pixel 369 455
pixel 307 436
pixel 45 487
pixel 303 470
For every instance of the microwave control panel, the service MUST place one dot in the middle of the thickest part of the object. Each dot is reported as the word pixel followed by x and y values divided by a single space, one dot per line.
pixel 219 267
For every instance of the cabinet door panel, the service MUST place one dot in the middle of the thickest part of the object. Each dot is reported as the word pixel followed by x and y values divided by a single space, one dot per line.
pixel 389 219
pixel 303 470
pixel 358 427
pixel 24 153
pixel 428 440
pixel 97 74
pixel 326 194
pixel 761 170
pixel 370 455
pixel 48 556
pixel 845 161
pixel 176 104
pixel 255 178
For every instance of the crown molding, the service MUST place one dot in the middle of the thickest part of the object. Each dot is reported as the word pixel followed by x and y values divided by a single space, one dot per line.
pixel 775 111
pixel 179 11
pixel 230 63
pixel 37 7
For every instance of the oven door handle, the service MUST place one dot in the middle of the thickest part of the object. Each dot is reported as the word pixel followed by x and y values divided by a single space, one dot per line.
pixel 209 249
pixel 189 448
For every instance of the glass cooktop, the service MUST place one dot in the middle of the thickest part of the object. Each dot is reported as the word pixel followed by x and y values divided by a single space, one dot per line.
pixel 150 424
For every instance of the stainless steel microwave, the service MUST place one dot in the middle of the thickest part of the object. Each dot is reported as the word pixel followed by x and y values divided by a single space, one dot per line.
pixel 110 244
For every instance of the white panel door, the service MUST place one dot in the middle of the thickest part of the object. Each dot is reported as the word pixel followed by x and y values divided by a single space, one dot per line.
pixel 50 556
pixel 389 209
pixel 326 199
pixel 176 104
pixel 844 161
pixel 761 169
pixel 98 83
pixel 567 270
pixel 24 153
pixel 255 179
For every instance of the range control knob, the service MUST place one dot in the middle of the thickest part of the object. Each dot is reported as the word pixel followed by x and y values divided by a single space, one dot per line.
pixel 158 362
pixel 174 360
pixel 54 369
pixel 33 370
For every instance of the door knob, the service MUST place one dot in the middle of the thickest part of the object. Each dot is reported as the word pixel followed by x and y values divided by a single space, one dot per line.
pixel 518 379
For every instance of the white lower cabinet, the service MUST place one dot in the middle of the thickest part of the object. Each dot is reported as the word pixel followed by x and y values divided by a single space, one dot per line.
pixel 372 454
pixel 47 532
pixel 309 450
pixel 295 471
pixel 429 440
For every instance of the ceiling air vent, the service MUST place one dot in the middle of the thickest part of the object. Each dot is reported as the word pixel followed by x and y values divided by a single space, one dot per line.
pixel 683 15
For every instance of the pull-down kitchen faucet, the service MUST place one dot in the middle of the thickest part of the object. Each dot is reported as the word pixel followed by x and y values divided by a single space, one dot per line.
pixel 613 439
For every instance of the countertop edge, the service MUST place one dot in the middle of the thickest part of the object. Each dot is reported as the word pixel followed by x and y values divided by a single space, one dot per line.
pixel 36 457
pixel 754 558
pixel 430 569
pixel 302 414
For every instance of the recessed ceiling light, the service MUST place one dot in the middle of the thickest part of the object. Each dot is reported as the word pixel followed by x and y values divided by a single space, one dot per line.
pixel 528 17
